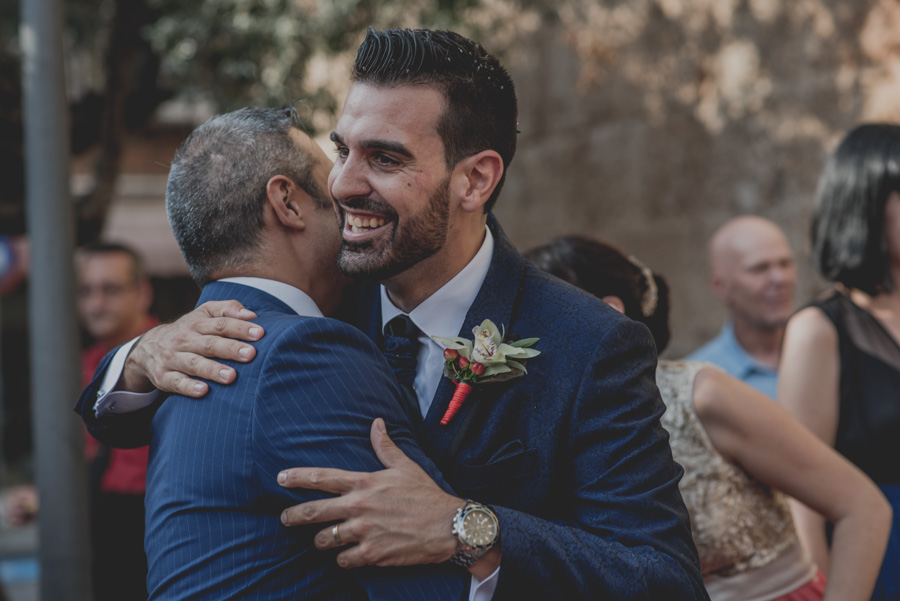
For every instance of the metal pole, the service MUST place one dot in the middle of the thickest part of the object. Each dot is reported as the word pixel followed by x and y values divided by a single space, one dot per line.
pixel 2 413
pixel 58 439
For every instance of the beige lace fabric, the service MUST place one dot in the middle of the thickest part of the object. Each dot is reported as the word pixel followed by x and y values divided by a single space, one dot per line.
pixel 738 523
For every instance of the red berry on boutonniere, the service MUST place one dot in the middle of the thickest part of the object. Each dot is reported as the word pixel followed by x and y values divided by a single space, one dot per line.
pixel 463 363
pixel 450 354
pixel 477 368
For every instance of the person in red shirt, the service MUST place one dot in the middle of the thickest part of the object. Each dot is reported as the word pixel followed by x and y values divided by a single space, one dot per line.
pixel 114 297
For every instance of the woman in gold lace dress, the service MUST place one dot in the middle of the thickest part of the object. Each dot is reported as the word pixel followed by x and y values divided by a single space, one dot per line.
pixel 740 452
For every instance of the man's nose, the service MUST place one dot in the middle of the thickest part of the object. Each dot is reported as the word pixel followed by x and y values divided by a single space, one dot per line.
pixel 91 303
pixel 782 274
pixel 349 179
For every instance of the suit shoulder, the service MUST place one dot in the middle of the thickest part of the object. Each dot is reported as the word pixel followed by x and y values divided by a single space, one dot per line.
pixel 559 300
pixel 566 317
pixel 320 335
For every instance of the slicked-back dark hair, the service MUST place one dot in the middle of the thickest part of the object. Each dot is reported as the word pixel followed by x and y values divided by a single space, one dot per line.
pixel 849 245
pixel 217 185
pixel 481 109
pixel 602 270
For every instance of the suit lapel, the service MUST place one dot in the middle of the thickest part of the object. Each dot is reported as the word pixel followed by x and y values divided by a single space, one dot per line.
pixel 496 301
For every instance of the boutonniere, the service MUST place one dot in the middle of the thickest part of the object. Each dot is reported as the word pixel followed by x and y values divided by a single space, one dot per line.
pixel 486 358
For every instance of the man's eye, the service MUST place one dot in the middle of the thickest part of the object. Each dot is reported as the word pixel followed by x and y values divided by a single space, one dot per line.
pixel 342 152
pixel 384 160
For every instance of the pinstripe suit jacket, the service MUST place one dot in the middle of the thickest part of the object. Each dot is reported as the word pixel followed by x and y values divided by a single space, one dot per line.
pixel 213 503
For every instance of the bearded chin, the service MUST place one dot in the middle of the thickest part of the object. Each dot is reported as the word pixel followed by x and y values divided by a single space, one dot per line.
pixel 363 260
pixel 423 235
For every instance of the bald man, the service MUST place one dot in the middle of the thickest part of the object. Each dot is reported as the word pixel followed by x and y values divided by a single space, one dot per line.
pixel 752 272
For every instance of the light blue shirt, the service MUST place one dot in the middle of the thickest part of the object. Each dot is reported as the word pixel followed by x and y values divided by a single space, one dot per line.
pixel 726 352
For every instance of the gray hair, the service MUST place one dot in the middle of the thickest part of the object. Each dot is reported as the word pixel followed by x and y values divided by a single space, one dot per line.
pixel 217 185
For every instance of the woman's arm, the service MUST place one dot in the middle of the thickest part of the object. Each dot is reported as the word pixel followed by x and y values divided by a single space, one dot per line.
pixel 750 429
pixel 808 384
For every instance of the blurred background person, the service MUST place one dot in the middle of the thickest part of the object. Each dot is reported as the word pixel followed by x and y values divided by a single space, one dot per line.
pixel 840 367
pixel 752 272
pixel 114 297
pixel 738 450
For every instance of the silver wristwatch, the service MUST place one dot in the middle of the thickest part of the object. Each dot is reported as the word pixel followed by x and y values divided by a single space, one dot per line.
pixel 477 530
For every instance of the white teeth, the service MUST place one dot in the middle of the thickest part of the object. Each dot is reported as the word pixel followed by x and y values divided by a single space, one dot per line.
pixel 358 224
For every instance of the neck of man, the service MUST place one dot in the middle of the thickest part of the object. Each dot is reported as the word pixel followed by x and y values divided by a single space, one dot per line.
pixel 323 285
pixel 763 344
pixel 407 290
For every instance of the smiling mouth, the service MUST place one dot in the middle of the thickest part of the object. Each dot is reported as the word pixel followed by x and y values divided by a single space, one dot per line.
pixel 359 223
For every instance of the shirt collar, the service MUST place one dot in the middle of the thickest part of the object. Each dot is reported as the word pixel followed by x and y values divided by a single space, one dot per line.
pixel 444 312
pixel 745 364
pixel 293 297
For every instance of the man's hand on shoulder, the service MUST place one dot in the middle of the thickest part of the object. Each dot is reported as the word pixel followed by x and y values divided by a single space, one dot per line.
pixel 168 356
pixel 397 516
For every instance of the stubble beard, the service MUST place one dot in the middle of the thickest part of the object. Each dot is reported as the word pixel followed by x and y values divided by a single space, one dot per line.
pixel 416 239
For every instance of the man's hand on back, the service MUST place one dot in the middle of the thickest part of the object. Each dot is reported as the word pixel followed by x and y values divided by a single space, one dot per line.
pixel 397 516
pixel 167 357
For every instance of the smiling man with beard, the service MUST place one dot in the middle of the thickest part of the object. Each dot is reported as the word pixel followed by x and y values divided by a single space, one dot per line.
pixel 570 484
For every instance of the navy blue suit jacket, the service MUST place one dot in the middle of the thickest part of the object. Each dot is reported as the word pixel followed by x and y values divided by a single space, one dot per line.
pixel 571 456
pixel 213 503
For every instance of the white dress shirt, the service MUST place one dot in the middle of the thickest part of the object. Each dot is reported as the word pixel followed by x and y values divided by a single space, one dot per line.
pixel 443 314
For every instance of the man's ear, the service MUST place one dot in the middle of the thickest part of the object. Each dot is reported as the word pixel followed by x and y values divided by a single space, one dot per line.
pixel 480 175
pixel 717 285
pixel 284 198
pixel 615 302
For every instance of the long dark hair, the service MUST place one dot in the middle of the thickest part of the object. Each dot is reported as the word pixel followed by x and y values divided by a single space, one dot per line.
pixel 848 239
pixel 603 270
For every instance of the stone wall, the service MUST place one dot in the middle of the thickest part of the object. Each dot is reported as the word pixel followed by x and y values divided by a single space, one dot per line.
pixel 648 123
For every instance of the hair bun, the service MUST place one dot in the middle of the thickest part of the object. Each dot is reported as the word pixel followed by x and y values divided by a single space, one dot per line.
pixel 650 297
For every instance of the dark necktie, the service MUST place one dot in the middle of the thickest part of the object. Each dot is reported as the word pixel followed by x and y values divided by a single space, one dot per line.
pixel 401 345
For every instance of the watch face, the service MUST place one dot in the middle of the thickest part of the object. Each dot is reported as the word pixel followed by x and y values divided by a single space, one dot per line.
pixel 480 528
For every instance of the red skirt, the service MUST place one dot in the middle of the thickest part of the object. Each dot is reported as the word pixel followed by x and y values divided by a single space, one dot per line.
pixel 813 590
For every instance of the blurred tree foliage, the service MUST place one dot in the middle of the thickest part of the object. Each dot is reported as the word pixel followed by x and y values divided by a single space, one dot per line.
pixel 125 57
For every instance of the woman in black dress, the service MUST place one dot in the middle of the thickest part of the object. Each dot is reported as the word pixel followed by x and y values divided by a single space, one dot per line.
pixel 840 364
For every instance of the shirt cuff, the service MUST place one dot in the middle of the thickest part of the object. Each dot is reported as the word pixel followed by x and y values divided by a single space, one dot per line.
pixel 483 590
pixel 111 401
